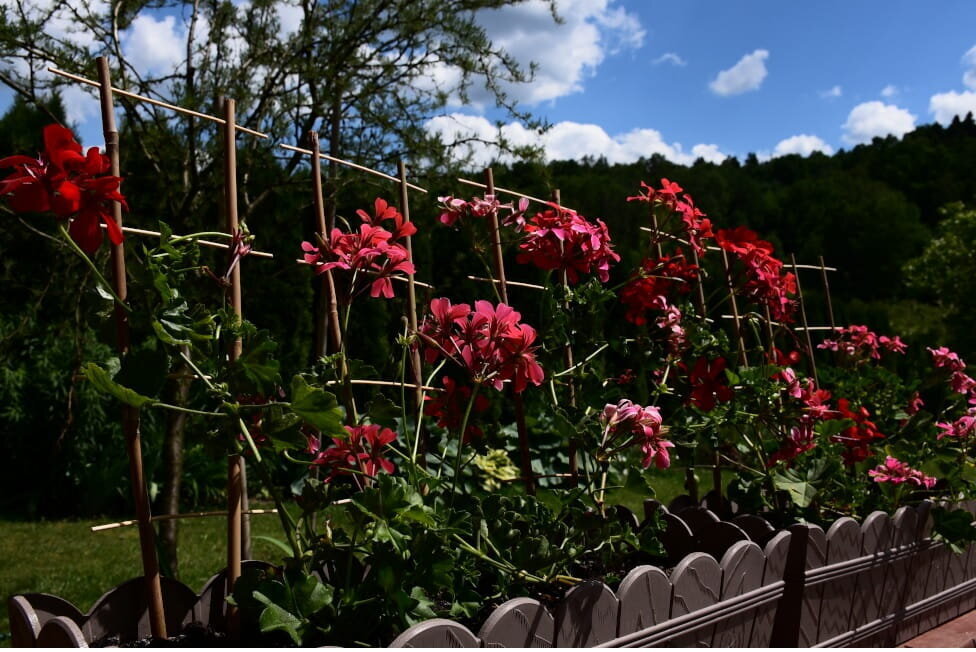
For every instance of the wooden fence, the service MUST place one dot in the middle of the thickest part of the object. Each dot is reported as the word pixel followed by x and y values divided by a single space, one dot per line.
pixel 739 583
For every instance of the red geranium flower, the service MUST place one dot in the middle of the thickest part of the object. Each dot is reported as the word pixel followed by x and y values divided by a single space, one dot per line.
pixel 706 387
pixel 361 452
pixel 561 239
pixel 69 184
pixel 448 407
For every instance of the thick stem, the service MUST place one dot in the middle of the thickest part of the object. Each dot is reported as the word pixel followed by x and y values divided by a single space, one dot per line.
pixel 460 441
pixel 178 391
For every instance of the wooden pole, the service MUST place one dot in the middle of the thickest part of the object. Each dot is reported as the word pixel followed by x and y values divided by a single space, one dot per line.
pixel 806 326
pixel 826 284
pixel 700 290
pixel 330 325
pixel 523 434
pixel 235 499
pixel 736 321
pixel 415 361
pixel 568 360
pixel 130 415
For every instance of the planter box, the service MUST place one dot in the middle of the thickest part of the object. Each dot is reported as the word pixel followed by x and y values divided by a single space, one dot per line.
pixel 740 583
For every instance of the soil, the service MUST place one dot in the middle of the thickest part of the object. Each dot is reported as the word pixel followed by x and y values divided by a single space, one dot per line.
pixel 193 635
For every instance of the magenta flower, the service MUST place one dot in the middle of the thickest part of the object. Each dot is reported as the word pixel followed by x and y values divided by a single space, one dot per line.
pixel 626 424
pixel 896 472
pixel 942 357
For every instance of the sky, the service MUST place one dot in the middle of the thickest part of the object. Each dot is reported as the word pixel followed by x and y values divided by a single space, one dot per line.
pixel 626 79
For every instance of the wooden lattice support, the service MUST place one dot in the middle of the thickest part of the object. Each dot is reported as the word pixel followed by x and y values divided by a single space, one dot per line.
pixel 568 360
pixel 416 365
pixel 130 415
pixel 328 327
pixel 736 319
pixel 525 458
pixel 803 318
pixel 826 284
pixel 235 487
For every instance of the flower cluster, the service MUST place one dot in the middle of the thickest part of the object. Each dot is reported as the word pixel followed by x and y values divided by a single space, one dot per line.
pixel 707 387
pixel 69 183
pixel 361 453
pixel 962 428
pixel 626 424
pixel 861 343
pixel 766 283
pixel 448 407
pixel 695 225
pixel 489 342
pixel 897 472
pixel 561 239
pixel 374 253
pixel 959 381
pixel 802 436
pixel 454 209
pixel 655 280
pixel 858 437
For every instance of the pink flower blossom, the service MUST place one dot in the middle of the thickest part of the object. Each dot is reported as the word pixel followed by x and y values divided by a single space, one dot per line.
pixel 915 404
pixel 801 439
pixel 626 424
pixel 896 472
pixel 942 357
pixel 962 428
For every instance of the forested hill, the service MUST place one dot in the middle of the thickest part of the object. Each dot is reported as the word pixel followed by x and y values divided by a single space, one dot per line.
pixel 867 210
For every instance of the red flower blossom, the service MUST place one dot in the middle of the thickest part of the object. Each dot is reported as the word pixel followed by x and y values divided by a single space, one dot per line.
pixel 765 282
pixel 454 209
pixel 489 342
pixel 448 407
pixel 362 451
pixel 655 279
pixel 373 254
pixel 801 439
pixel 696 226
pixel 915 405
pixel 69 184
pixel 858 437
pixel 561 239
pixel 707 388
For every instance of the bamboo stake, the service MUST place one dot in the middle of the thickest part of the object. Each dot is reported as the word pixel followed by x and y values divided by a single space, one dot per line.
pixel 826 284
pixel 235 496
pixel 245 514
pixel 171 517
pixel 386 383
pixel 737 325
pixel 415 362
pixel 350 164
pixel 495 189
pixel 531 286
pixel 205 243
pixel 806 326
pixel 331 326
pixel 159 103
pixel 523 435
pixel 130 415
pixel 700 290
pixel 568 360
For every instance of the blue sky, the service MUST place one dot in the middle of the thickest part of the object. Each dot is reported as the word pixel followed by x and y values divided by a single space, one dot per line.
pixel 685 78
pixel 814 75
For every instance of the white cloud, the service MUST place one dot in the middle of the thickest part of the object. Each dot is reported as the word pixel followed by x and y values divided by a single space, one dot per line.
pixel 969 77
pixel 290 17
pixel 946 106
pixel 889 91
pixel 747 75
pixel 802 144
pixel 154 46
pixel 834 91
pixel 567 53
pixel 871 119
pixel 564 140
pixel 670 57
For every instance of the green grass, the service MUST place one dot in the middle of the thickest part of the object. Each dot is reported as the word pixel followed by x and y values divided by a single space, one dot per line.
pixel 67 559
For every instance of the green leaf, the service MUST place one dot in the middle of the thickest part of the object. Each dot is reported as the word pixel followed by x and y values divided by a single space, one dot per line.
pixel 104 383
pixel 311 595
pixel 275 618
pixel 801 492
pixel 317 407
pixel 281 545
pixel 382 411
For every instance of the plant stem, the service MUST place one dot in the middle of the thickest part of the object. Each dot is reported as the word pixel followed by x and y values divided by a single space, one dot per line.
pixel 460 441
pixel 201 234
pixel 177 408
pixel 88 261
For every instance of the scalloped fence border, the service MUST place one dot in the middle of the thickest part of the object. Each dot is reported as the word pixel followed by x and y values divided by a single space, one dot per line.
pixel 740 583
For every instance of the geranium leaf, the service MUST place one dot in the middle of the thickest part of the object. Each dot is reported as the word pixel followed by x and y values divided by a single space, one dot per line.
pixel 104 383
pixel 274 618
pixel 317 407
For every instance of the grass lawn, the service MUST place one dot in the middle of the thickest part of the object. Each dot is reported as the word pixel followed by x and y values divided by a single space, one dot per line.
pixel 67 559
